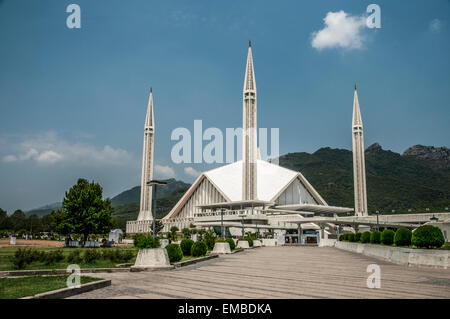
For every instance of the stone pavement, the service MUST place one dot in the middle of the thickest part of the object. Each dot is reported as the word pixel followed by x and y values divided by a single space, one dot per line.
pixel 279 272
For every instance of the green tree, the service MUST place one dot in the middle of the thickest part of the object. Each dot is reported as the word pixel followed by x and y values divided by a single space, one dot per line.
pixel 59 222
pixel 46 222
pixel 186 232
pixel 5 222
pixel 173 233
pixel 33 223
pixel 18 220
pixel 159 226
pixel 86 211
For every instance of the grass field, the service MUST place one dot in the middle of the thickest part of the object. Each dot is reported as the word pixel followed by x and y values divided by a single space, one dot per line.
pixel 6 253
pixel 13 288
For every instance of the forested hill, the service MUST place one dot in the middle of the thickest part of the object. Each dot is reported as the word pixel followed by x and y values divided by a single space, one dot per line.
pixel 133 195
pixel 397 182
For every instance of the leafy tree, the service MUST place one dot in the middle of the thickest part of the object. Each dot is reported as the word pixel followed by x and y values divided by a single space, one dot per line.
pixel 5 222
pixel 186 232
pixel 59 222
pixel 159 226
pixel 46 222
pixel 18 220
pixel 34 224
pixel 86 211
pixel 173 232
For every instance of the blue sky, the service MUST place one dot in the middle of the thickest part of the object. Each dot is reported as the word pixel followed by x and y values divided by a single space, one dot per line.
pixel 73 101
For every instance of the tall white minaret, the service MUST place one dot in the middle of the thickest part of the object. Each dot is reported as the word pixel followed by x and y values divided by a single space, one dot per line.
pixel 249 131
pixel 145 212
pixel 359 164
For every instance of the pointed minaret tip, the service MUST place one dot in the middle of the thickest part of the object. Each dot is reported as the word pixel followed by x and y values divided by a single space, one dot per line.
pixel 355 87
pixel 249 43
pixel 150 89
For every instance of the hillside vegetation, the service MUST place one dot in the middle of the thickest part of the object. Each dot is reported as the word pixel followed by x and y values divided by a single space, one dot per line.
pixel 394 182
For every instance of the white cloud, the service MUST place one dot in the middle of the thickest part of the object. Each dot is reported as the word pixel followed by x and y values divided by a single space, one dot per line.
pixel 49 148
pixel 9 158
pixel 164 172
pixel 435 25
pixel 49 157
pixel 341 31
pixel 191 171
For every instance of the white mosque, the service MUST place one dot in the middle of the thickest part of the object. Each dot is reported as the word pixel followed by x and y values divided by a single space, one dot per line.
pixel 253 194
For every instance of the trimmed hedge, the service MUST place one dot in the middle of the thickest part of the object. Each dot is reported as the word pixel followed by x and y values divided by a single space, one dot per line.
pixel 358 237
pixel 375 237
pixel 387 237
pixel 186 245
pixel 117 255
pixel 402 237
pixel 427 236
pixel 198 249
pixel 91 255
pixel 174 252
pixel 365 237
pixel 231 242
pixel 74 256
pixel 351 238
pixel 142 241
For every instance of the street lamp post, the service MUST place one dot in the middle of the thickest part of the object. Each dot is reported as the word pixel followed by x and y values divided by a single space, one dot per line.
pixel 154 184
pixel 378 226
pixel 221 222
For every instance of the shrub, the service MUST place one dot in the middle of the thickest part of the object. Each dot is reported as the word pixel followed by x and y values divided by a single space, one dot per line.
pixel 142 241
pixel 52 256
pixel 91 255
pixel 365 237
pixel 128 255
pixel 351 237
pixel 74 257
pixel 209 238
pixel 117 255
pixel 186 232
pixel 427 236
pixel 375 237
pixel 387 237
pixel 198 249
pixel 358 237
pixel 231 242
pixel 343 237
pixel 174 252
pixel 21 258
pixel 402 237
pixel 186 245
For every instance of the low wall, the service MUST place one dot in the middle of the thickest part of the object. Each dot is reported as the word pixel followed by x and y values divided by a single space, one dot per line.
pixel 402 256
pixel 327 242
pixel 269 242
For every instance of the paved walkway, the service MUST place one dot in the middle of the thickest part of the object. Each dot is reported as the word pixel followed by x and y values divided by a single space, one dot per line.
pixel 279 272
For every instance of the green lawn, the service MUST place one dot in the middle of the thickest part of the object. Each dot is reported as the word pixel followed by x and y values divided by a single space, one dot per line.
pixel 13 288
pixel 8 252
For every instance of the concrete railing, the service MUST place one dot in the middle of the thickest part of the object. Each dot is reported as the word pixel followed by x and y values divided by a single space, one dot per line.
pixel 398 255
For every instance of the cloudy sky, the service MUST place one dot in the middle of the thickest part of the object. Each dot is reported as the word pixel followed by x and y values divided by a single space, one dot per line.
pixel 73 101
